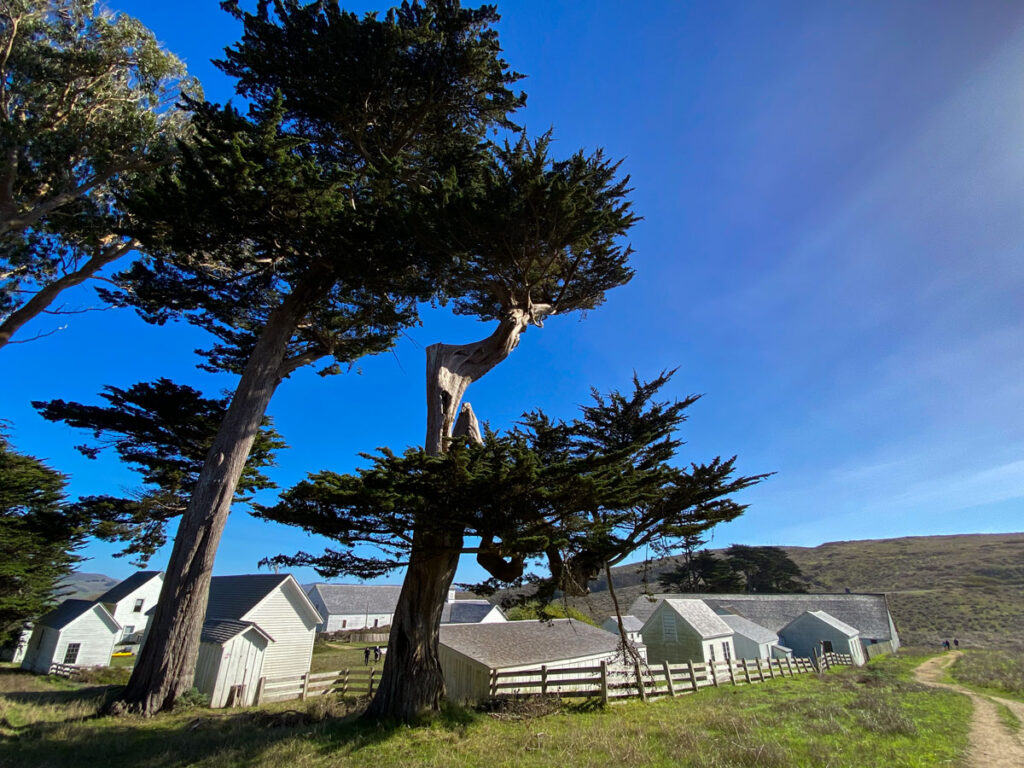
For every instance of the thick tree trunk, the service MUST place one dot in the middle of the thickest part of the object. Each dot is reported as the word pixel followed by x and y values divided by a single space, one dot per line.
pixel 412 683
pixel 49 292
pixel 166 666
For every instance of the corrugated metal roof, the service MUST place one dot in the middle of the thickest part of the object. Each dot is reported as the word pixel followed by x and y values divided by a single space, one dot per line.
pixel 747 628
pixel 231 597
pixel 357 599
pixel 121 591
pixel 220 631
pixel 868 612
pixel 695 613
pixel 69 610
pixel 465 611
pixel 520 643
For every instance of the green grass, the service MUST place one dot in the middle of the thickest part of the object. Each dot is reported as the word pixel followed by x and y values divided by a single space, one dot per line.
pixel 1007 717
pixel 329 656
pixel 996 672
pixel 847 719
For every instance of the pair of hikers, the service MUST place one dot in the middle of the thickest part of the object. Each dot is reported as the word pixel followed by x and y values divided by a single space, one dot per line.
pixel 376 654
pixel 945 644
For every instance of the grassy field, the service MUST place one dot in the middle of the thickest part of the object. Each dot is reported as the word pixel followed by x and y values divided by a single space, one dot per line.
pixel 849 718
pixel 330 656
pixel 996 672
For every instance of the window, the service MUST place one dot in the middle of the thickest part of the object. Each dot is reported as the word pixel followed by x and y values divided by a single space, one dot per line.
pixel 668 628
pixel 711 647
pixel 376 622
pixel 344 623
pixel 138 606
pixel 71 654
pixel 130 629
pixel 725 651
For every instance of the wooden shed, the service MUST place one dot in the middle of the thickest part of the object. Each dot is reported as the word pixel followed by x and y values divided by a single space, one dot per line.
pixel 79 633
pixel 470 652
pixel 816 632
pixel 680 631
pixel 230 661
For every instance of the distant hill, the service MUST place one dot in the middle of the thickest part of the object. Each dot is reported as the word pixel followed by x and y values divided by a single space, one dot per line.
pixel 966 586
pixel 85 586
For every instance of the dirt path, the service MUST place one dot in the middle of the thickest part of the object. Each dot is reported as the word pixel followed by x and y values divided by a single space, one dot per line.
pixel 992 744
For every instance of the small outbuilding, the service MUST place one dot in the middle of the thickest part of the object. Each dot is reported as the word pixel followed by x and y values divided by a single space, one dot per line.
pixel 680 631
pixel 631 624
pixel 260 625
pixel 79 633
pixel 815 632
pixel 752 641
pixel 469 653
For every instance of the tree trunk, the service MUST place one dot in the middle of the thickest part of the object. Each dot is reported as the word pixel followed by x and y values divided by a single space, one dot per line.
pixel 49 292
pixel 166 666
pixel 413 682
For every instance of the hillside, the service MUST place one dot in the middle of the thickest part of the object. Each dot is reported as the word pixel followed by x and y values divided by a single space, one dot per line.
pixel 966 586
pixel 86 586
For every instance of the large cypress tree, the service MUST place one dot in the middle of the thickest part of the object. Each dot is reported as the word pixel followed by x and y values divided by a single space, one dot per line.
pixel 292 232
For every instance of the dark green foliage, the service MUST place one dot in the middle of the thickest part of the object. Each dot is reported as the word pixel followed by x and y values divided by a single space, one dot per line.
pixel 38 535
pixel 578 493
pixel 163 430
pixel 739 569
pixel 86 111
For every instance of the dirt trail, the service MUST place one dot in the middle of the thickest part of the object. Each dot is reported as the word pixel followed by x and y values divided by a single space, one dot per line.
pixel 992 744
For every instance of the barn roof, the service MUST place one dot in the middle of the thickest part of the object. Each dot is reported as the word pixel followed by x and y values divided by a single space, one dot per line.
pixel 868 612
pixel 832 621
pixel 69 610
pixel 519 643
pixel 695 613
pixel 120 591
pixel 747 628
pixel 465 611
pixel 631 623
pixel 232 597
pixel 357 599
pixel 220 631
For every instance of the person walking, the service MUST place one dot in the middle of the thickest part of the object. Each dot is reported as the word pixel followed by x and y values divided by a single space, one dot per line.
pixel 366 655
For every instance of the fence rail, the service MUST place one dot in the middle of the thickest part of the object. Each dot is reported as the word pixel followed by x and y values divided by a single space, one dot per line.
pixel 353 682
pixel 830 659
pixel 64 670
pixel 609 681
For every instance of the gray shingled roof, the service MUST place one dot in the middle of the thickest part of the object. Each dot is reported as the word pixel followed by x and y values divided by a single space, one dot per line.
pixel 121 591
pixel 832 621
pixel 465 611
pixel 70 610
pixel 231 597
pixel 869 613
pixel 520 643
pixel 747 628
pixel 700 617
pixel 220 631
pixel 357 599
pixel 631 623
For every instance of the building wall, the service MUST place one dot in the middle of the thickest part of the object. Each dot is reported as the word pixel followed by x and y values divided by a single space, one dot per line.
pixel 124 612
pixel 282 617
pixel 494 616
pixel 49 646
pixel 688 644
pixel 749 649
pixel 805 633
pixel 237 662
pixel 337 622
pixel 39 653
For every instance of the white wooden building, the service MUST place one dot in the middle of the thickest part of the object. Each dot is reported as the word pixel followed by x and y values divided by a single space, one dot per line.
pixel 752 641
pixel 131 603
pixel 354 606
pixel 471 612
pixel 680 631
pixel 815 632
pixel 470 652
pixel 631 624
pixel 279 628
pixel 77 632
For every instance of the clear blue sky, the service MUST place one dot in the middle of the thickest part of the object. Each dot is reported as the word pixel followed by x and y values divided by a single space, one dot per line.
pixel 831 251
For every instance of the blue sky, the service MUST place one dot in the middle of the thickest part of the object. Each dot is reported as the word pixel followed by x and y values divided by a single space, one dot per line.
pixel 831 252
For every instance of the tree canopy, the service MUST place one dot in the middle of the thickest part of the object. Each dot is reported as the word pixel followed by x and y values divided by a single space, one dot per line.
pixel 162 430
pixel 38 536
pixel 87 111
pixel 739 568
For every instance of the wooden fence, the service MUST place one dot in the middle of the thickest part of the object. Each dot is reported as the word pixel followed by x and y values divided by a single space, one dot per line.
pixel 64 670
pixel 351 682
pixel 829 660
pixel 608 681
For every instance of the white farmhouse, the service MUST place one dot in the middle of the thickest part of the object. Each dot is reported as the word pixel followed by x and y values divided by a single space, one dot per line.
pixel 680 631
pixel 354 606
pixel 469 653
pixel 815 632
pixel 256 626
pixel 131 603
pixel 77 632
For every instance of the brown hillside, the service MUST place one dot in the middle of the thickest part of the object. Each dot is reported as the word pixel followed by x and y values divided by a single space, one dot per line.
pixel 967 586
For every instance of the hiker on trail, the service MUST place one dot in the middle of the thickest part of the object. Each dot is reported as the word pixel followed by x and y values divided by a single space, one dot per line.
pixel 366 655
pixel 945 645
pixel 376 654
pixel 956 643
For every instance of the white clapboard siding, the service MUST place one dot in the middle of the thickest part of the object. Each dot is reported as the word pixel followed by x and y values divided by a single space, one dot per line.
pixel 283 616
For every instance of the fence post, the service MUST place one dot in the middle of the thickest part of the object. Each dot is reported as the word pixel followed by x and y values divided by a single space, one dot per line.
pixel 305 686
pixel 712 667
pixel 668 679
pixel 760 671
pixel 493 683
pixel 604 682
pixel 543 679
pixel 789 666
pixel 746 670
pixel 693 677
pixel 732 671
pixel 344 681
pixel 369 691
pixel 640 681
pixel 259 691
